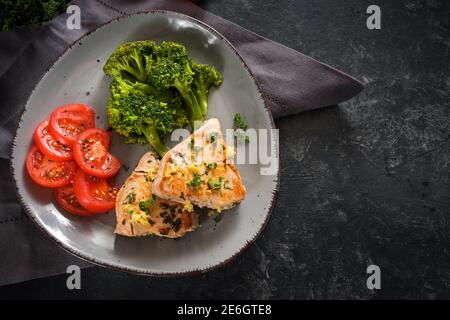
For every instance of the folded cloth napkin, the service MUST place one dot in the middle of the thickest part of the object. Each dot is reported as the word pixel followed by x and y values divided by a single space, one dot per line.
pixel 302 83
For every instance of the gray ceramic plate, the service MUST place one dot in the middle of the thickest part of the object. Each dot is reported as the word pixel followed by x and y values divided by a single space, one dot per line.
pixel 79 71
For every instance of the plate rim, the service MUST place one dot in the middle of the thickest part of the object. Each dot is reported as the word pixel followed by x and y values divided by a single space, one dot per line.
pixel 127 269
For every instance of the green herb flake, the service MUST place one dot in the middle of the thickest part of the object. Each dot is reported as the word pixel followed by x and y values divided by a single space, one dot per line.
pixel 144 205
pixel 196 181
pixel 131 197
pixel 210 166
pixel 212 137
pixel 216 185
pixel 239 122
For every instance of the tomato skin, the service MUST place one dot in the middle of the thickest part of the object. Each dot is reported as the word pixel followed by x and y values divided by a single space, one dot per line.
pixel 49 145
pixel 94 194
pixel 67 200
pixel 47 172
pixel 90 151
pixel 69 120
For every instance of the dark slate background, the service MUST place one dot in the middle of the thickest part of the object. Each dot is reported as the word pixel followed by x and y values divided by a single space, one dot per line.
pixel 363 183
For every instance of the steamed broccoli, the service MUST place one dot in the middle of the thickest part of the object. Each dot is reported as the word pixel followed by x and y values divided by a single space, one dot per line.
pixel 130 60
pixel 204 77
pixel 174 69
pixel 156 89
pixel 16 13
pixel 143 119
pixel 124 87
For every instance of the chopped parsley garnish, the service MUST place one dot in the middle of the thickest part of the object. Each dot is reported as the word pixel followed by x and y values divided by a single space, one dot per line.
pixel 212 137
pixel 240 134
pixel 216 185
pixel 240 124
pixel 210 166
pixel 196 180
pixel 143 205
pixel 131 197
pixel 125 168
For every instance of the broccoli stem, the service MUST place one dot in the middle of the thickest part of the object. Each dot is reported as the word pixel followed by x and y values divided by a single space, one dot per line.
pixel 193 107
pixel 153 138
pixel 202 97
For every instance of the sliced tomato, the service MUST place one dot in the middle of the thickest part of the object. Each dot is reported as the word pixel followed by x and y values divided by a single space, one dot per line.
pixel 69 120
pixel 49 145
pixel 90 151
pixel 67 200
pixel 47 172
pixel 94 194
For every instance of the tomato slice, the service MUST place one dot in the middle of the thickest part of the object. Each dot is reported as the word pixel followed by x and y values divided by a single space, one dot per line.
pixel 47 172
pixel 50 146
pixel 94 194
pixel 69 120
pixel 67 200
pixel 90 151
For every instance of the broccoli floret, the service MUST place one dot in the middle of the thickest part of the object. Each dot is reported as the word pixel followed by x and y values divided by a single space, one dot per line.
pixel 155 90
pixel 16 13
pixel 124 87
pixel 143 119
pixel 172 69
pixel 204 77
pixel 130 60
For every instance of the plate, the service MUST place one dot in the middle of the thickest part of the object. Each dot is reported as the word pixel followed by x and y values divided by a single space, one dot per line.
pixel 77 76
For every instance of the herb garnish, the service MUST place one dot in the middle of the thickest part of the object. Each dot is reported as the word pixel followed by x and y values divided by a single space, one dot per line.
pixel 196 181
pixel 212 137
pixel 143 205
pixel 210 166
pixel 240 124
pixel 216 185
pixel 131 197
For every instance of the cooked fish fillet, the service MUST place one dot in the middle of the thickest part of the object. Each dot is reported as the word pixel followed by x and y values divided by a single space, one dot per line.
pixel 197 171
pixel 140 213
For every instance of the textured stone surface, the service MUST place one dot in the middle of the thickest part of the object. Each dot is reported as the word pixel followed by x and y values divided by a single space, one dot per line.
pixel 363 183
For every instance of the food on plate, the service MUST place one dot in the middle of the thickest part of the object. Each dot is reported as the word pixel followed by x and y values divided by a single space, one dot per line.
pixel 140 213
pixel 156 89
pixel 240 126
pixel 49 145
pixel 173 69
pixel 66 199
pixel 72 156
pixel 90 152
pixel 47 172
pixel 144 119
pixel 197 171
pixel 95 194
pixel 69 120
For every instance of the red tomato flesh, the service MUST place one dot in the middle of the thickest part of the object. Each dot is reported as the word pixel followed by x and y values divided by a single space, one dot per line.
pixel 69 120
pixel 90 151
pixel 94 194
pixel 66 199
pixel 49 145
pixel 47 172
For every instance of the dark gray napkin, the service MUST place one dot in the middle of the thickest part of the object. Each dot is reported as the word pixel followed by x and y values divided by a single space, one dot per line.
pixel 291 81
